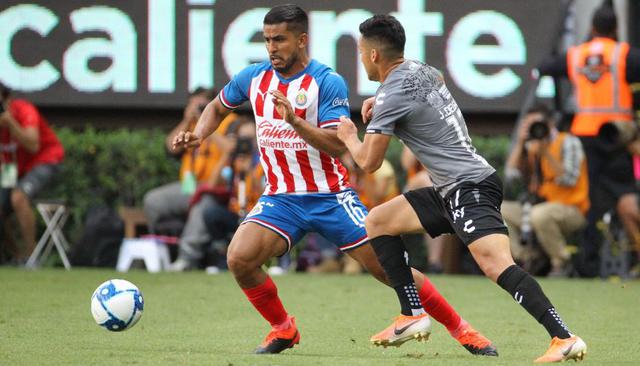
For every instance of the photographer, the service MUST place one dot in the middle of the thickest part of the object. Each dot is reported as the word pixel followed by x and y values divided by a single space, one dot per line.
pixel 31 156
pixel 601 72
pixel 555 172
pixel 168 205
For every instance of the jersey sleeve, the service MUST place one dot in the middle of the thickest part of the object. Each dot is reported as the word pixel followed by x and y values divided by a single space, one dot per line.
pixel 334 101
pixel 388 109
pixel 236 91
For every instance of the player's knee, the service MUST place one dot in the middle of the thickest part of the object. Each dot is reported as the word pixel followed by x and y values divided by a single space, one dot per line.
pixel 493 260
pixel 237 264
pixel 375 223
pixel 237 261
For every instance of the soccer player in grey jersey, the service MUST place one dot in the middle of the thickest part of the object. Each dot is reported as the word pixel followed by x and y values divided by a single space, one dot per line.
pixel 414 104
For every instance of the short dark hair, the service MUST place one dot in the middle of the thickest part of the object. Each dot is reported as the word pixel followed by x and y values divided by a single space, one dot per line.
pixel 542 109
pixel 604 20
pixel 209 93
pixel 295 17
pixel 385 29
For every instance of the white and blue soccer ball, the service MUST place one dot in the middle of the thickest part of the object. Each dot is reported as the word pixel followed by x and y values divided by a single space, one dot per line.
pixel 117 305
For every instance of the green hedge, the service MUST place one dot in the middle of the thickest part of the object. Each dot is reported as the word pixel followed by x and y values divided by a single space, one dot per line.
pixel 117 167
pixel 113 167
pixel 492 148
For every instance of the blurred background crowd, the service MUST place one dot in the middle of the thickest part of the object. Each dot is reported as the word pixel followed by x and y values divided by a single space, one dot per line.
pixel 569 158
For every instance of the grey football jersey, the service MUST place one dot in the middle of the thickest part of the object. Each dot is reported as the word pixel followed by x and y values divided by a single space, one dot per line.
pixel 415 105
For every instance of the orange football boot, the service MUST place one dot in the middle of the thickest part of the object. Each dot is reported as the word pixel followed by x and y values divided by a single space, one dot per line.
pixel 476 343
pixel 279 340
pixel 572 348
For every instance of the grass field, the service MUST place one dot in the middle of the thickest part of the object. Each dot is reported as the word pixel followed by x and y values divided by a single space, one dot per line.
pixel 196 319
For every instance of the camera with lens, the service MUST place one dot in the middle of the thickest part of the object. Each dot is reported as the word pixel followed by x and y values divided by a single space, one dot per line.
pixel 539 130
pixel 618 133
pixel 244 146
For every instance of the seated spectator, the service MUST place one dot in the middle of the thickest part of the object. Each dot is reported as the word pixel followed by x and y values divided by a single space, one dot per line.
pixel 555 173
pixel 172 201
pixel 31 157
pixel 235 185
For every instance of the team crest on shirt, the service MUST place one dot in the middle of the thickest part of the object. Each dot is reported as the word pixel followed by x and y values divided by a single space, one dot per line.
pixel 301 98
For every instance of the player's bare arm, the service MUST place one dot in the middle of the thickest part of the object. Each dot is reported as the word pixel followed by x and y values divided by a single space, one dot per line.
pixel 207 123
pixel 323 139
pixel 368 154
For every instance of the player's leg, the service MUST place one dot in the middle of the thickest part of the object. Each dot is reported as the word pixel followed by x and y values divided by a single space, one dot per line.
pixel 252 245
pixel 476 219
pixel 492 254
pixel 388 221
pixel 341 219
pixel 268 231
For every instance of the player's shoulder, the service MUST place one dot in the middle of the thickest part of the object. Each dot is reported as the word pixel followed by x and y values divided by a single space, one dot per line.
pixel 323 74
pixel 415 77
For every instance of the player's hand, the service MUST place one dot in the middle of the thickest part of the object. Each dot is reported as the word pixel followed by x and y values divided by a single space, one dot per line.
pixel 346 129
pixel 367 109
pixel 185 139
pixel 283 106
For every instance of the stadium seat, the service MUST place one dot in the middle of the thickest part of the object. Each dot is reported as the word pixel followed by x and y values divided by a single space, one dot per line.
pixel 55 215
pixel 153 252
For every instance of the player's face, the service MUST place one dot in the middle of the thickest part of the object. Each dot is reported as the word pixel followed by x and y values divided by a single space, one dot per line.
pixel 283 46
pixel 365 50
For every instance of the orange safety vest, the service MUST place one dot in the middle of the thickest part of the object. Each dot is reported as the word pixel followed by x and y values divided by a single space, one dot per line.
pixel 597 70
pixel 577 195
pixel 200 161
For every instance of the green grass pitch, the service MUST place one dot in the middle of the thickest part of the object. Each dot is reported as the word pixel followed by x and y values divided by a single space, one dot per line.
pixel 196 319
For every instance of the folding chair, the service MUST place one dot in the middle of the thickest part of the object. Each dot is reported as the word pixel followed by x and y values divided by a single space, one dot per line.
pixel 55 215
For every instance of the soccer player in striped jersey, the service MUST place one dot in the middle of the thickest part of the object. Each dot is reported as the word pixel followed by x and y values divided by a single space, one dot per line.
pixel 297 103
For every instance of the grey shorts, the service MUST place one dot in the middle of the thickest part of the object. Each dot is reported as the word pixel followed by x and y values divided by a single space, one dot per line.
pixel 32 183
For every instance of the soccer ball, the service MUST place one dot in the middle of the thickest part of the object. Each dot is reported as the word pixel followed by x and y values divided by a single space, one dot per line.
pixel 117 305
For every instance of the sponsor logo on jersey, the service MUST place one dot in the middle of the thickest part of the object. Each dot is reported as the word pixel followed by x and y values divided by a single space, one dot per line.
pixel 340 102
pixel 279 136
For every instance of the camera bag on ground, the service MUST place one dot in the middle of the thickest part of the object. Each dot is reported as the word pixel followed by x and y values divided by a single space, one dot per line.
pixel 101 238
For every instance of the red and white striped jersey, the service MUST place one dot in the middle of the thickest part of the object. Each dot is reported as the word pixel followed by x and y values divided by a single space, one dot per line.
pixel 319 96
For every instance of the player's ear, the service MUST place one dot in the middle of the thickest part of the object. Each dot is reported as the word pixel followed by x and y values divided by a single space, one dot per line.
pixel 303 40
pixel 374 56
